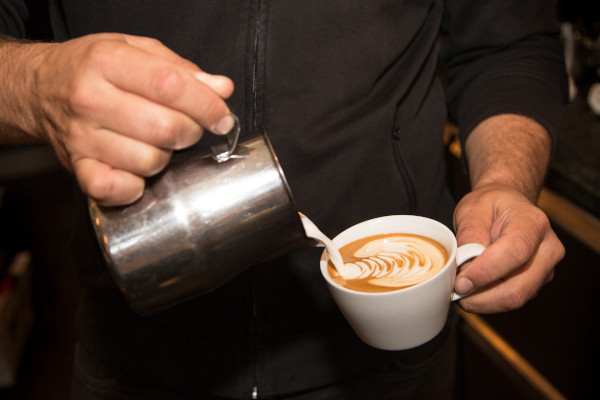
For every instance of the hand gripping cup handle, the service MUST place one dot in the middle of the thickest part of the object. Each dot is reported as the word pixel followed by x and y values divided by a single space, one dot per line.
pixel 463 254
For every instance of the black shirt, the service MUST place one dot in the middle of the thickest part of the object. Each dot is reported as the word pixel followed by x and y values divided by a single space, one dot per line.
pixel 352 98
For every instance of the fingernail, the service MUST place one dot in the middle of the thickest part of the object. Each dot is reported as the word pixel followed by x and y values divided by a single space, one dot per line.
pixel 463 286
pixel 225 125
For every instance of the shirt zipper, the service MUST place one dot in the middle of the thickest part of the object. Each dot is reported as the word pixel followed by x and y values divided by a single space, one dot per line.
pixel 403 168
pixel 254 276
pixel 255 66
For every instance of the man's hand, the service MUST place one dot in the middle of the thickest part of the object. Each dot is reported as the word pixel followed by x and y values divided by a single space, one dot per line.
pixel 507 156
pixel 521 253
pixel 114 107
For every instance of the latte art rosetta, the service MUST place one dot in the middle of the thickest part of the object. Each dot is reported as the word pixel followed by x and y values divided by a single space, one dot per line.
pixel 390 262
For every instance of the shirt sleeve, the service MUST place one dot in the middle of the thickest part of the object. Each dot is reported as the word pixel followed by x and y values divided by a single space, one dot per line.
pixel 13 14
pixel 503 56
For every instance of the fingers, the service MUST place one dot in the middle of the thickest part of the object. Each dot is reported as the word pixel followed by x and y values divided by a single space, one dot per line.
pixel 161 81
pixel 156 47
pixel 138 118
pixel 114 170
pixel 515 236
pixel 220 84
pixel 521 285
pixel 108 186
pixel 122 152
pixel 521 252
pixel 121 104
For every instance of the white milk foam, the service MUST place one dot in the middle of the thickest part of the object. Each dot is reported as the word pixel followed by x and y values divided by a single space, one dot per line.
pixel 396 261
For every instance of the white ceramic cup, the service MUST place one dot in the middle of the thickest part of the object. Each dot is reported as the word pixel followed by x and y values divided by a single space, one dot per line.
pixel 404 318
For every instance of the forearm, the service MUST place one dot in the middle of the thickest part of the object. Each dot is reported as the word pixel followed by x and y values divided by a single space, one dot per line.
pixel 18 62
pixel 509 150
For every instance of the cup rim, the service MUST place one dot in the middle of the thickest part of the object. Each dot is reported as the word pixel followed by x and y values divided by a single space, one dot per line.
pixel 451 254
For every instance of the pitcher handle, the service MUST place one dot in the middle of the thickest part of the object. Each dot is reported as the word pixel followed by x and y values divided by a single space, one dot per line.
pixel 225 151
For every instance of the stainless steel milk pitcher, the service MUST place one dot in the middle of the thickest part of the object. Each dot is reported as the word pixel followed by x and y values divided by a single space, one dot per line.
pixel 199 223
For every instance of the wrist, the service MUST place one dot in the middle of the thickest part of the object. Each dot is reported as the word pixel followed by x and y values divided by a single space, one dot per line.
pixel 527 188
pixel 490 187
pixel 509 151
pixel 20 60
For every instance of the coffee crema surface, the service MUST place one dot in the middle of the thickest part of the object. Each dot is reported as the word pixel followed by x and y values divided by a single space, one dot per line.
pixel 388 262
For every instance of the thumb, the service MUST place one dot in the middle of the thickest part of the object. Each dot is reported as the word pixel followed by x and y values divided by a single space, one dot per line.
pixel 470 227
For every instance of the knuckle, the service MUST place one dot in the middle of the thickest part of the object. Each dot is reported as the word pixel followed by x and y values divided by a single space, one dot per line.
pixel 100 53
pixel 81 100
pixel 487 276
pixel 515 300
pixel 150 41
pixel 97 52
pixel 100 186
pixel 82 94
pixel 104 184
pixel 521 249
pixel 210 108
pixel 192 135
pixel 541 220
pixel 559 250
pixel 471 234
pixel 152 161
pixel 75 138
pixel 167 84
pixel 469 230
pixel 164 132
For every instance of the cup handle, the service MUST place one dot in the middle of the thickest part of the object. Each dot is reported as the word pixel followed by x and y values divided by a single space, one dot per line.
pixel 225 151
pixel 463 254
